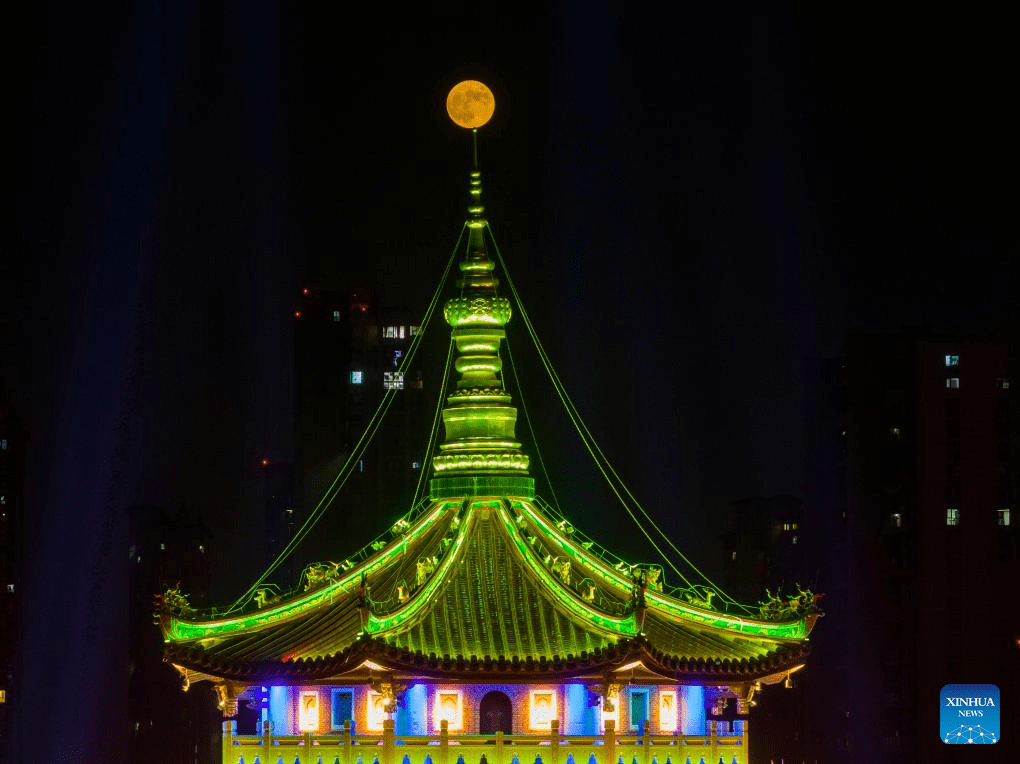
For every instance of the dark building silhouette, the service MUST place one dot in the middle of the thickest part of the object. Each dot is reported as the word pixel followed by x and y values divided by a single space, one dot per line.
pixel 765 551
pixel 347 351
pixel 13 441
pixel 932 458
pixel 167 727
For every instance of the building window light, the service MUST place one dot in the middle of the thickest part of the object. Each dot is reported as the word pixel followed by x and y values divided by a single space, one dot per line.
pixel 542 708
pixel 308 712
pixel 10 588
pixel 336 316
pixel 400 331
pixel 3 696
pixel 1003 517
pixel 952 360
pixel 733 555
pixel 1002 383
pixel 793 540
pixel 393 380
pixel 414 330
pixel 952 516
pixel 667 711
pixel 448 708
pixel 952 383
pixel 357 377
pixel 391 332
pixel 415 465
pixel 794 526
pixel 897 520
pixel 786 526
pixel 3 444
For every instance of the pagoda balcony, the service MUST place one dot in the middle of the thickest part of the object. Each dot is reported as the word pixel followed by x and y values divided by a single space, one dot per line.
pixel 498 748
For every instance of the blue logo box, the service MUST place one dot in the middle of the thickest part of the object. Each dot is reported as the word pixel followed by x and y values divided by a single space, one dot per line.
pixel 969 714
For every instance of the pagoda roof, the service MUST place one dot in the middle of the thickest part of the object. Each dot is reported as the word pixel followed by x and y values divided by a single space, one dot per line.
pixel 484 587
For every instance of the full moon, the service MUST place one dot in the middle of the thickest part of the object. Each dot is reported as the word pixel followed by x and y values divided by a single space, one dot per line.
pixel 470 104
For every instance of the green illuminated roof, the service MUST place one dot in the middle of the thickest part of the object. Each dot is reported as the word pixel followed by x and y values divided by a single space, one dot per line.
pixel 492 582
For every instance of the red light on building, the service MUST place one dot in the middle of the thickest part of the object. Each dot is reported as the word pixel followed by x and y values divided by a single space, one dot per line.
pixel 304 291
pixel 297 314
pixel 265 461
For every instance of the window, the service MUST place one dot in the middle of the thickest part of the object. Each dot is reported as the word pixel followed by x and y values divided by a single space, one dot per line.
pixel 308 712
pixel 10 588
pixel 793 540
pixel 415 330
pixel 786 526
pixel 667 711
pixel 638 708
pixel 896 432
pixel 543 708
pixel 397 355
pixel 390 332
pixel 1002 517
pixel 342 708
pixel 3 444
pixel 393 380
pixel 952 360
pixel 415 465
pixel 1002 383
pixel 952 383
pixel 897 520
pixel 361 465
pixel 952 516
pixel 3 696
pixel 794 526
pixel 357 377
pixel 336 316
pixel 448 708
pixel 733 555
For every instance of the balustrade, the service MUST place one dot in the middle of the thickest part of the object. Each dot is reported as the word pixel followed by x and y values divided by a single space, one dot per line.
pixel 444 748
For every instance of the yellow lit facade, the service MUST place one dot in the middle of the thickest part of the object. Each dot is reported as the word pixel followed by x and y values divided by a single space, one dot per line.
pixel 542 709
pixel 449 707
pixel 667 711
pixel 308 711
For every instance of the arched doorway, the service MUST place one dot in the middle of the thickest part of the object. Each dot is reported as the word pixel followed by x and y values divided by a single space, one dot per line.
pixel 495 714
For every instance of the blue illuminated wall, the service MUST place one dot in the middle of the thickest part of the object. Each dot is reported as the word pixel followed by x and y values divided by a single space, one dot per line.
pixel 581 718
pixel 692 709
pixel 279 710
pixel 411 717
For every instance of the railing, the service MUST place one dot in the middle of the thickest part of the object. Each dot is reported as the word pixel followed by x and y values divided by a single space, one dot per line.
pixel 444 748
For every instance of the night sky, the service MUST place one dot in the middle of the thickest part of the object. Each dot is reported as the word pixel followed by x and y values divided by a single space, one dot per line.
pixel 697 204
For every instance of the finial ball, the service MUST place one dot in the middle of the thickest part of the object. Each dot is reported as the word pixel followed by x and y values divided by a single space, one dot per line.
pixel 470 104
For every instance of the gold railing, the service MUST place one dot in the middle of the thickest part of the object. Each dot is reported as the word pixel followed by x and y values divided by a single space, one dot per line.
pixel 444 748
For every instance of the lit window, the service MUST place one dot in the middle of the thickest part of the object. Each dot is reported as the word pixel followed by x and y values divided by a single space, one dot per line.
pixel 336 316
pixel 667 711
pixel 794 526
pixel 543 709
pixel 952 383
pixel 952 360
pixel 897 520
pixel 375 714
pixel 896 432
pixel 794 540
pixel 3 696
pixel 357 377
pixel 308 712
pixel 397 355
pixel 10 588
pixel 786 526
pixel 162 546
pixel 952 516
pixel 201 548
pixel 448 708
pixel 361 465
pixel 415 465
pixel 342 708
pixel 1002 383
pixel 733 555
pixel 393 380
pixel 1003 516
pixel 638 708
pixel 3 444
pixel 390 332
pixel 401 332
pixel 415 330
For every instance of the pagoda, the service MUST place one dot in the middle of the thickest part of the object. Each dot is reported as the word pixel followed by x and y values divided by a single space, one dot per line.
pixel 483 623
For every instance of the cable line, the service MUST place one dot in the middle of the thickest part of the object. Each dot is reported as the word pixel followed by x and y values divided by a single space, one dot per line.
pixel 359 448
pixel 593 448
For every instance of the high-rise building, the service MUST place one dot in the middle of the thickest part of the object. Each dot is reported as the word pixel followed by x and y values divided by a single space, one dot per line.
pixel 933 458
pixel 12 513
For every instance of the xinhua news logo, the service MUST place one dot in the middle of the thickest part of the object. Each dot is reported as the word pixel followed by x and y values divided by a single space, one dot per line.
pixel 969 714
